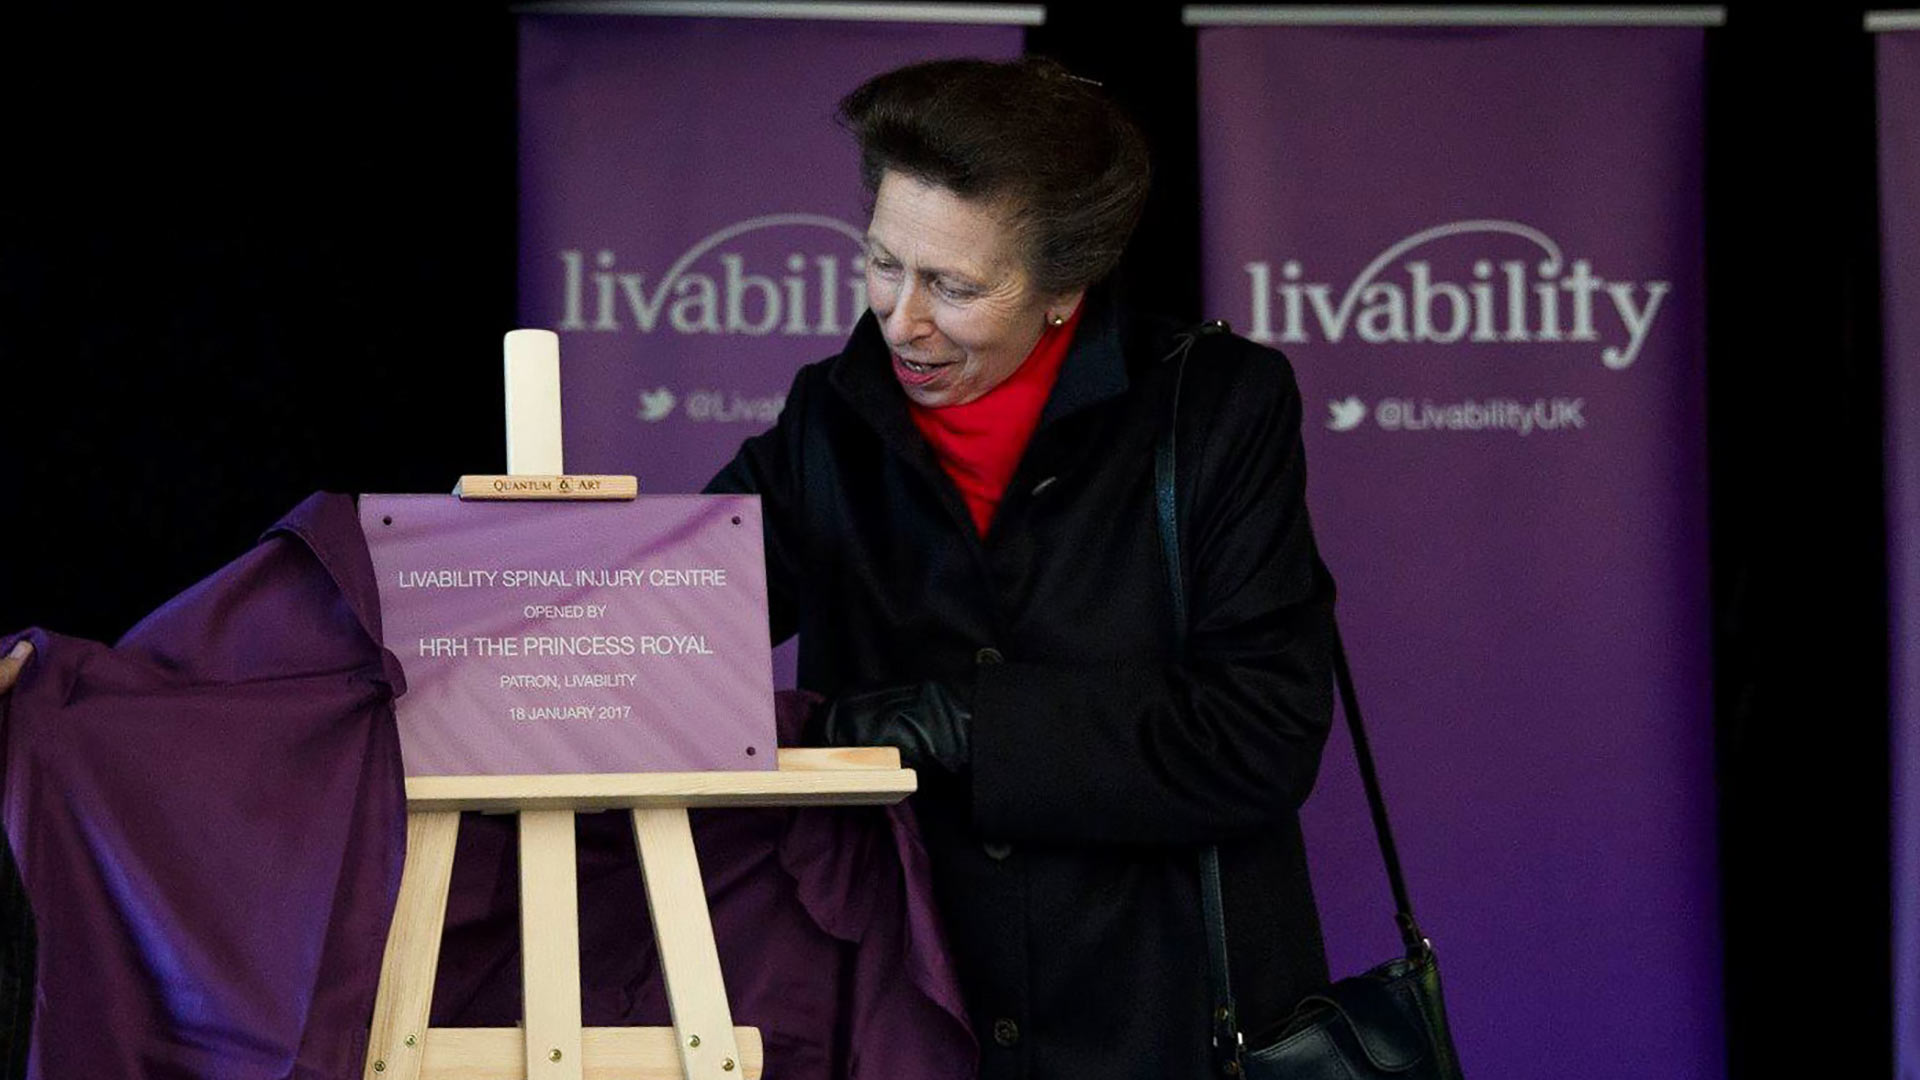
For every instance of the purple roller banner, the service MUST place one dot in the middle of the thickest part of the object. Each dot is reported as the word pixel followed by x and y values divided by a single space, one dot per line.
pixel 1897 56
pixel 690 218
pixel 1482 249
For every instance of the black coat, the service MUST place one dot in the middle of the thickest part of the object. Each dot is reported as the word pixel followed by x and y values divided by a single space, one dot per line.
pixel 1065 865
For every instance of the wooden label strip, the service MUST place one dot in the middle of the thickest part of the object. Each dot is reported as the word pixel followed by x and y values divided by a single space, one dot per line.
pixel 495 487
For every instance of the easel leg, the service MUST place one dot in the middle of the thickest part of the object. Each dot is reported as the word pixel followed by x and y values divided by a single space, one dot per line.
pixel 689 960
pixel 550 944
pixel 407 970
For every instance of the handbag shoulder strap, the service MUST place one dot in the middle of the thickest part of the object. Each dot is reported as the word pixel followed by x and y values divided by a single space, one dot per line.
pixel 1225 1029
pixel 1410 934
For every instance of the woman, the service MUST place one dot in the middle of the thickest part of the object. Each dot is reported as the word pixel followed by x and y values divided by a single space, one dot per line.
pixel 960 527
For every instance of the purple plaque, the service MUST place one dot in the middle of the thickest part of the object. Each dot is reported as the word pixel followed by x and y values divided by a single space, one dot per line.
pixel 576 637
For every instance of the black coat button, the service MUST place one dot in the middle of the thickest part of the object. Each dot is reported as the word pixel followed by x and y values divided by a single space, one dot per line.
pixel 988 655
pixel 996 852
pixel 1006 1032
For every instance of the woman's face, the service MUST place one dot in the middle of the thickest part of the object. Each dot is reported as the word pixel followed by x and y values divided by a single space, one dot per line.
pixel 955 302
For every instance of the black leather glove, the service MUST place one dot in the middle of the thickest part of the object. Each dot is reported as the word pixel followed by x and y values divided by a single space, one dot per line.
pixel 930 723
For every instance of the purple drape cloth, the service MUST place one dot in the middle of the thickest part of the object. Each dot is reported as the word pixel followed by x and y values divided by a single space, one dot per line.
pixel 209 823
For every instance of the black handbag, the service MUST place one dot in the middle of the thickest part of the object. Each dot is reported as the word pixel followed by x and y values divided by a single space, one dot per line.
pixel 1389 1022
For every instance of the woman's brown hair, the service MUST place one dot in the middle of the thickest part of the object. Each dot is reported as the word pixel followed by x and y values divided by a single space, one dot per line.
pixel 1067 165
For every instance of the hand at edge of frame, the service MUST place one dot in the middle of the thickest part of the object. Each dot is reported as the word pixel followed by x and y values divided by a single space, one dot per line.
pixel 12 663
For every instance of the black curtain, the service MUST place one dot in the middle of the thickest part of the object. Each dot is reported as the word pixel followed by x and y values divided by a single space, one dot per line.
pixel 250 252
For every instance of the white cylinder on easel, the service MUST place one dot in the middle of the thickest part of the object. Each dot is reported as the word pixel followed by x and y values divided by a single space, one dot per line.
pixel 533 403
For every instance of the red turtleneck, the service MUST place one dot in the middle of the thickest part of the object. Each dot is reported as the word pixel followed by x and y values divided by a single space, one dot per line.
pixel 979 443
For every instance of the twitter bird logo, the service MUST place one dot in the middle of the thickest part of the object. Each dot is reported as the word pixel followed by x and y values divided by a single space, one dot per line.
pixel 656 404
pixel 1345 415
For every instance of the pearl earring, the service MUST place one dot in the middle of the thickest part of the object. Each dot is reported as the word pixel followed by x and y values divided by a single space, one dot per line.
pixel 1057 319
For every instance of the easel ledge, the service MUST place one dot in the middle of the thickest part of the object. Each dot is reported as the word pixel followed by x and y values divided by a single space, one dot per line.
pixel 856 776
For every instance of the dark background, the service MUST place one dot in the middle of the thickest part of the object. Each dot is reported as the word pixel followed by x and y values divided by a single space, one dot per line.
pixel 249 253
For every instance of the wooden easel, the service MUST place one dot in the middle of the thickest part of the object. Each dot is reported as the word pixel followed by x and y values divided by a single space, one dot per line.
pixel 551 1043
